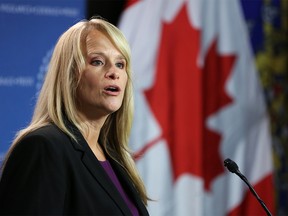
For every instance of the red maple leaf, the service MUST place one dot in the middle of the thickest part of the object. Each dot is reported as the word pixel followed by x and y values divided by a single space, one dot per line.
pixel 181 99
pixel 174 98
pixel 215 73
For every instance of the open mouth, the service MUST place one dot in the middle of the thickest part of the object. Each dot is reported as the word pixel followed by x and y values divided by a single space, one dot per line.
pixel 112 89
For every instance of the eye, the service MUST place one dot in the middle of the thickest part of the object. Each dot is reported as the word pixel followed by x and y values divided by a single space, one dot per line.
pixel 120 65
pixel 96 62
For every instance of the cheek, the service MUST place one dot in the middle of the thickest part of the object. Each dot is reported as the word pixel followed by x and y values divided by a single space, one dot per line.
pixel 87 85
pixel 89 80
pixel 125 80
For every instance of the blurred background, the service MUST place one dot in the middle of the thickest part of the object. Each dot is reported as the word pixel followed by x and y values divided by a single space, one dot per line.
pixel 210 83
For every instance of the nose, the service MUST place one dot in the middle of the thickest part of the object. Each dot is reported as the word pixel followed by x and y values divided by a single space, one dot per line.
pixel 112 73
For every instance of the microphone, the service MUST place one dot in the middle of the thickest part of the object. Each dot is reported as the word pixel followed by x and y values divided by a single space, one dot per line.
pixel 233 168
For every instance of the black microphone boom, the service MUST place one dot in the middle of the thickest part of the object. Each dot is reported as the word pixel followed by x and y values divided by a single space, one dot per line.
pixel 233 168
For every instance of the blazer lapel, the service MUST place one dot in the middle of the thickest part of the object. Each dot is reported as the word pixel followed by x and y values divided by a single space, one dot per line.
pixel 96 169
pixel 94 166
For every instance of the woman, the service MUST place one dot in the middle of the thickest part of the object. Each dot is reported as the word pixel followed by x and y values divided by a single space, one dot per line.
pixel 73 158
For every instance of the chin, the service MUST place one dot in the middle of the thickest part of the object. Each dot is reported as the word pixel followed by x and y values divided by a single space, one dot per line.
pixel 113 109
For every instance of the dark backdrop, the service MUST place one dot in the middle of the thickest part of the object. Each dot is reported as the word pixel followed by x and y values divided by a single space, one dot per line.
pixel 108 9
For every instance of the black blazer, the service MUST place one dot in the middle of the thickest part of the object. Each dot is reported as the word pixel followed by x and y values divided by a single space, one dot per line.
pixel 50 174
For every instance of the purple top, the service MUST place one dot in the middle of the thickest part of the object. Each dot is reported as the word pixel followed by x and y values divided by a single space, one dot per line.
pixel 109 170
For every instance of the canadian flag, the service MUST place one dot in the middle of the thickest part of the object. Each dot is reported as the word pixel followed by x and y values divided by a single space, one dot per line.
pixel 198 100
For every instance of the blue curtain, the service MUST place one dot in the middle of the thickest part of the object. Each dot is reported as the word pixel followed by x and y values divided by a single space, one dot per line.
pixel 29 30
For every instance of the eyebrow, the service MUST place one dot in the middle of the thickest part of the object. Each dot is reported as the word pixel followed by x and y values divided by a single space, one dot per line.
pixel 103 54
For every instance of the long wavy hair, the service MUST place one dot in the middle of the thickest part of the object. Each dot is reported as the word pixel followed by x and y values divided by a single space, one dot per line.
pixel 57 98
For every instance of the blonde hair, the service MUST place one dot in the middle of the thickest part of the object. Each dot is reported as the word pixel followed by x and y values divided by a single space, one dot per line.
pixel 57 98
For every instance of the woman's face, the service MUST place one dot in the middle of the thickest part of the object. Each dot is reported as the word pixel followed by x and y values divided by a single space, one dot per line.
pixel 102 83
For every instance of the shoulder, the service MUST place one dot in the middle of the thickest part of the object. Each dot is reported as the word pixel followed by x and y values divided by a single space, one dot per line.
pixel 45 147
pixel 36 151
pixel 46 140
pixel 50 131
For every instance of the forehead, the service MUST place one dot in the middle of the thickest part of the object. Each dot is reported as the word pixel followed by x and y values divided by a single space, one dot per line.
pixel 96 40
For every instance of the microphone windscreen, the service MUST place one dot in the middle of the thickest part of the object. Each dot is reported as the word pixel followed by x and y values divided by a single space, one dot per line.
pixel 231 165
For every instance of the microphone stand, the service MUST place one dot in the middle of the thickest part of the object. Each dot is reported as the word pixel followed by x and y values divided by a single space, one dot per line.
pixel 233 167
pixel 254 193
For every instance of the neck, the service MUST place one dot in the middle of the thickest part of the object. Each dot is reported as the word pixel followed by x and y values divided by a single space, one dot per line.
pixel 91 132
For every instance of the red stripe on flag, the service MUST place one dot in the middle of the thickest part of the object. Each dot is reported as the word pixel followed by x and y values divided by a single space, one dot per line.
pixel 130 3
pixel 250 205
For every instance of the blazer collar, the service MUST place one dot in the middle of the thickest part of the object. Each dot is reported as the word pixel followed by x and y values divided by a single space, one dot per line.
pixel 96 169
